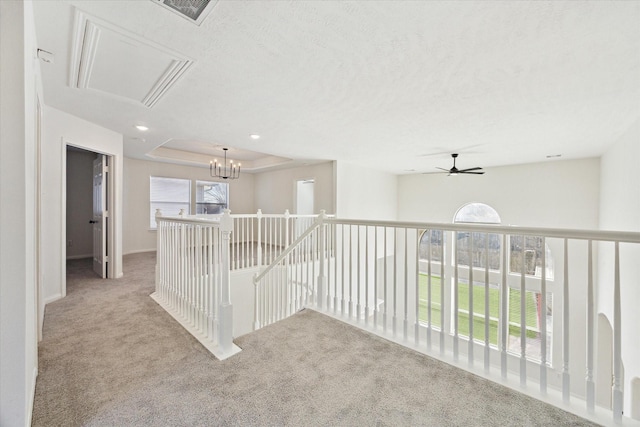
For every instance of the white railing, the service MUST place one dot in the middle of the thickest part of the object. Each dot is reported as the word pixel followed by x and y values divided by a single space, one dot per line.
pixel 509 313
pixel 192 278
pixel 259 238
pixel 195 255
pixel 289 283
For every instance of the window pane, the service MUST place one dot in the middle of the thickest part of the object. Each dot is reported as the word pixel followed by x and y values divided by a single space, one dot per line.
pixel 170 190
pixel 478 251
pixel 431 241
pixel 436 289
pixel 485 247
pixel 532 256
pixel 211 197
pixel 478 213
pixel 170 195
pixel 479 291
pixel 533 318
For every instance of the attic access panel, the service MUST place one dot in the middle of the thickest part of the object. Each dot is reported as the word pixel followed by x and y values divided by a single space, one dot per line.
pixel 193 10
pixel 111 60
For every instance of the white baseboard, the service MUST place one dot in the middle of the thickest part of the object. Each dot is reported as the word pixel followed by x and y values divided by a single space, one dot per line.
pixel 140 251
pixel 52 298
pixel 32 396
pixel 79 256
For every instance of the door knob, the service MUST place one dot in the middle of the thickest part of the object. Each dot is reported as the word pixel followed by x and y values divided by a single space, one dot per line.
pixel 93 222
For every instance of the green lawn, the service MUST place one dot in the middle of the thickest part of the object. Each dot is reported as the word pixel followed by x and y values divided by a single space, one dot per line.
pixel 479 311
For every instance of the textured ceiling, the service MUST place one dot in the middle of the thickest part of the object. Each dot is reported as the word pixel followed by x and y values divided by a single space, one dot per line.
pixel 390 85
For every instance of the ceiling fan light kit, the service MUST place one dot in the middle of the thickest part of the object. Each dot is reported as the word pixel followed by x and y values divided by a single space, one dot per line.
pixel 454 171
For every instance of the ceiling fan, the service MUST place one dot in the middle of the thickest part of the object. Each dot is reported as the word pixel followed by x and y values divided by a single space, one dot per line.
pixel 455 171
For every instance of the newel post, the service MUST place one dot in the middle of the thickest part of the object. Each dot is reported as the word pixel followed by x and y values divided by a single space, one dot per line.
pixel 321 277
pixel 226 309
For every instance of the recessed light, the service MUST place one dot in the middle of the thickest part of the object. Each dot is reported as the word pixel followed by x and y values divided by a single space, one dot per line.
pixel 142 128
pixel 254 136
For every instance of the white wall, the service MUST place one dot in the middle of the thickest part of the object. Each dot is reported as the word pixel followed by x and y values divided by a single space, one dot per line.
pixel 79 203
pixel 60 129
pixel 275 191
pixel 137 235
pixel 363 193
pixel 620 210
pixel 552 194
pixel 19 86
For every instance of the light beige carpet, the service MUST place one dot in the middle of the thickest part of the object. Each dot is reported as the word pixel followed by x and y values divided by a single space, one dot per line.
pixel 112 357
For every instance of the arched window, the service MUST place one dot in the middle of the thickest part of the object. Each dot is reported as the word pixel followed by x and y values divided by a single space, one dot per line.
pixel 477 213
pixel 482 248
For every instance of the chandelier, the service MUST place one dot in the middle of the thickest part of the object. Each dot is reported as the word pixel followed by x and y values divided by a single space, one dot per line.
pixel 218 170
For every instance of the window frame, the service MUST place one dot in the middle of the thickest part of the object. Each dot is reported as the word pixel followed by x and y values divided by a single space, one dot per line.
pixel 192 204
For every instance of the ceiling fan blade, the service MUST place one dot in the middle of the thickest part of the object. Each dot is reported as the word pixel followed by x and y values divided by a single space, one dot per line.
pixel 443 169
pixel 470 169
pixel 472 173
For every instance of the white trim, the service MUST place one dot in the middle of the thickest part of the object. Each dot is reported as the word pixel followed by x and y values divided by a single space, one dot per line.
pixel 140 251
pixel 63 224
pixel 53 298
pixel 32 395
pixel 80 256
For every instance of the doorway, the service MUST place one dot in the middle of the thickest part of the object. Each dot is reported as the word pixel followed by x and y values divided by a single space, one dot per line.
pixel 304 196
pixel 304 204
pixel 86 206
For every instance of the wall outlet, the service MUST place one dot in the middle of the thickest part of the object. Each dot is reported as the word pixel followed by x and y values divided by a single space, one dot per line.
pixel 69 243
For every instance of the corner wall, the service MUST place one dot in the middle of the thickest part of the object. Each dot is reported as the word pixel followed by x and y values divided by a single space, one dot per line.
pixel 363 193
pixel 620 210
pixel 19 86
pixel 275 191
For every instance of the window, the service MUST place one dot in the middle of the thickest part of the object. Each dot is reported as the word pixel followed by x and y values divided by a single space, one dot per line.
pixel 170 195
pixel 482 251
pixel 532 253
pixel 211 197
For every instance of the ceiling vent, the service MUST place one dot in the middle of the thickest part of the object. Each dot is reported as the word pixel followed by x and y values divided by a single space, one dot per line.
pixel 193 10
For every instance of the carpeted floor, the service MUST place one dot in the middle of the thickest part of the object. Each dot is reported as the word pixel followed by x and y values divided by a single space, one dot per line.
pixel 112 357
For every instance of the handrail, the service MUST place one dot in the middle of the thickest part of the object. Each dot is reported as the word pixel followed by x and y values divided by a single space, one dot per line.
pixel 286 252
pixel 598 235
pixel 190 220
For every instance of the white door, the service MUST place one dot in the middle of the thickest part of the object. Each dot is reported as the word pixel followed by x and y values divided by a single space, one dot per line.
pixel 99 217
